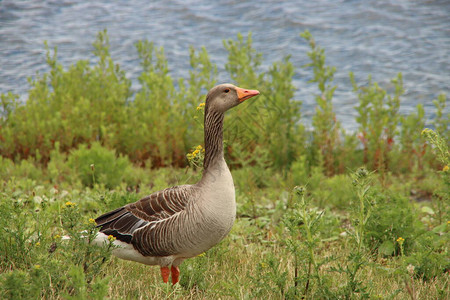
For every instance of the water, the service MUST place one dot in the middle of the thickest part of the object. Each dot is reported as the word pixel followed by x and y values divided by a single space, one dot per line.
pixel 381 38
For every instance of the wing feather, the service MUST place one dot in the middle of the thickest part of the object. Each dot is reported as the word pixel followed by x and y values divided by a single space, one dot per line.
pixel 159 206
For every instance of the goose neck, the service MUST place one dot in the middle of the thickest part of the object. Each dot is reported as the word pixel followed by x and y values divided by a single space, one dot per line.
pixel 213 139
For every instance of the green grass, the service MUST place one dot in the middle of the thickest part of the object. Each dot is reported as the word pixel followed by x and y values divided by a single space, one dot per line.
pixel 256 259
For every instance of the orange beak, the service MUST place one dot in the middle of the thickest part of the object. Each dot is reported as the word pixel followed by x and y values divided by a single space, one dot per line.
pixel 244 94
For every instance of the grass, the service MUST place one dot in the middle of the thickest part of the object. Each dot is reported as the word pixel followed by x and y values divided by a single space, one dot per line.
pixel 254 260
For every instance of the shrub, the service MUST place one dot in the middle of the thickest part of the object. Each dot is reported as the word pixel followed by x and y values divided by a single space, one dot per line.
pixel 156 126
pixel 79 105
pixel 378 120
pixel 334 192
pixel 98 165
pixel 441 120
pixel 392 217
pixel 24 168
pixel 272 122
pixel 326 126
pixel 441 197
pixel 431 259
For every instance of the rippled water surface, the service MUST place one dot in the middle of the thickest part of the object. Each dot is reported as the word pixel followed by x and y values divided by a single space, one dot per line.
pixel 381 38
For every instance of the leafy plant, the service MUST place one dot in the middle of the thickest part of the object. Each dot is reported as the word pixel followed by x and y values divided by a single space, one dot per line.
pixel 269 277
pixel 362 207
pixel 272 122
pixel 326 127
pixel 441 120
pixel 413 145
pixel 378 120
pixel 303 224
pixel 37 262
pixel 98 165
pixel 441 196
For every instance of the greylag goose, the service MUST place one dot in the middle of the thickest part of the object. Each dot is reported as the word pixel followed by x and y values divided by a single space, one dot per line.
pixel 183 221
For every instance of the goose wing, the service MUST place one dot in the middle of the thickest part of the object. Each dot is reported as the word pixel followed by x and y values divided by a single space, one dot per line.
pixel 124 221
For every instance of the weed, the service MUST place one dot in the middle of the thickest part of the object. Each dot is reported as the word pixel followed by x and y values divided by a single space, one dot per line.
pixel 441 196
pixel 98 165
pixel 413 145
pixel 363 207
pixel 269 277
pixel 378 120
pixel 303 222
pixel 326 133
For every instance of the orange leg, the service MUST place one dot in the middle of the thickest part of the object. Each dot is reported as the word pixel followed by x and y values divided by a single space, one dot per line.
pixel 165 272
pixel 175 274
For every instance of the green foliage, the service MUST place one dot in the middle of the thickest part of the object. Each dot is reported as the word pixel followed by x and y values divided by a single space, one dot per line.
pixel 36 262
pixel 429 264
pixel 98 165
pixel 333 192
pixel 303 223
pixel 285 134
pixel 158 123
pixel 243 61
pixel 392 217
pixel 79 105
pixel 269 277
pixel 363 207
pixel 156 127
pixel 353 285
pixel 441 196
pixel 443 155
pixel 378 120
pixel 268 253
pixel 272 121
pixel 413 147
pixel 58 170
pixel 380 219
pixel 24 168
pixel 326 139
pixel 193 271
pixel 441 121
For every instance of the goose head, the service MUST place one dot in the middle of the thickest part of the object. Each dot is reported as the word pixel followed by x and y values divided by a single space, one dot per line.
pixel 225 96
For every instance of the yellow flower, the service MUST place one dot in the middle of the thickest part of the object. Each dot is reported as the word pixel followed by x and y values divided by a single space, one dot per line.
pixel 201 255
pixel 38 244
pixel 200 106
pixel 196 152
pixel 91 221
pixel 445 168
pixel 57 237
pixel 37 266
pixel 400 240
pixel 111 238
pixel 70 204
pixel 263 265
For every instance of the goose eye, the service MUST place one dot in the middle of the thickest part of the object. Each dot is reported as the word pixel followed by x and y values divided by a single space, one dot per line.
pixel 227 90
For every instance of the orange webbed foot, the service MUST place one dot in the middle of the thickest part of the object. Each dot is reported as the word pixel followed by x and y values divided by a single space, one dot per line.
pixel 165 272
pixel 175 274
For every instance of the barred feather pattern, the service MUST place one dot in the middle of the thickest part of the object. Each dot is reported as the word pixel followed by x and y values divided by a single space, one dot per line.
pixel 124 222
pixel 213 137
